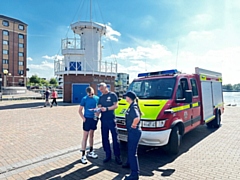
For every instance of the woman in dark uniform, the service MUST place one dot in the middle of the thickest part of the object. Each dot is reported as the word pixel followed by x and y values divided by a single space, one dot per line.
pixel 134 133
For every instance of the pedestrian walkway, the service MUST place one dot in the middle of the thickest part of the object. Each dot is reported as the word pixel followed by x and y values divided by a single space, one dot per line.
pixel 44 143
pixel 27 95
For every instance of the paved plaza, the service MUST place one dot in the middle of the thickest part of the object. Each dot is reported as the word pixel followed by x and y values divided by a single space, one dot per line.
pixel 44 143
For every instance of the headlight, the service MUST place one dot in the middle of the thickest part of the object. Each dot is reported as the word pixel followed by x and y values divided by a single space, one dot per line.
pixel 153 124
pixel 150 124
pixel 160 123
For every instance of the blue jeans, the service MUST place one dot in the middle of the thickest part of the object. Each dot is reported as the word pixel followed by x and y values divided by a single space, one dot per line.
pixel 110 125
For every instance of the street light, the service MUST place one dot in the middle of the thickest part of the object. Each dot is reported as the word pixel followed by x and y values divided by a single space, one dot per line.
pixel 5 72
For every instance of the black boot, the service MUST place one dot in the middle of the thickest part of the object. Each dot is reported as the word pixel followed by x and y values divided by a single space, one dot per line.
pixel 107 159
pixel 126 165
pixel 118 160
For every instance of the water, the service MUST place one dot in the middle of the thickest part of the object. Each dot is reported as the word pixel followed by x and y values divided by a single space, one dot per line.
pixel 232 98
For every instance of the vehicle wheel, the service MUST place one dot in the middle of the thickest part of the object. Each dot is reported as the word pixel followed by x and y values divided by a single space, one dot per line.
pixel 210 124
pixel 174 141
pixel 217 120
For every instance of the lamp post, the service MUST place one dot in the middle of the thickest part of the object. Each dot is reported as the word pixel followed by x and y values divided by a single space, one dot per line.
pixel 5 72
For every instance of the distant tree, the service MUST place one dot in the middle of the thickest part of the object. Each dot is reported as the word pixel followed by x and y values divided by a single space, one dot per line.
pixel 43 82
pixel 229 87
pixel 53 81
pixel 34 79
pixel 236 87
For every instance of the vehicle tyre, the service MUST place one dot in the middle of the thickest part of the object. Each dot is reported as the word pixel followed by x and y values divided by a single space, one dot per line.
pixel 174 140
pixel 217 121
pixel 210 124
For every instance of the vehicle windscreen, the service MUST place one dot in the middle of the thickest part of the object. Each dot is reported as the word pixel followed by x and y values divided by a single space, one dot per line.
pixel 153 88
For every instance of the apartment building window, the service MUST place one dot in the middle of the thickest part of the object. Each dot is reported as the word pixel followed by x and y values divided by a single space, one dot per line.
pixel 20 27
pixel 5 33
pixel 21 36
pixel 20 63
pixel 20 54
pixel 5 23
pixel 20 72
pixel 21 45
pixel 5 51
pixel 5 42
pixel 5 61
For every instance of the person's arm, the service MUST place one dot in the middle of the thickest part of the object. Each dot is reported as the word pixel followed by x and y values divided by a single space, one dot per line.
pixel 135 122
pixel 114 106
pixel 136 116
pixel 80 110
pixel 81 113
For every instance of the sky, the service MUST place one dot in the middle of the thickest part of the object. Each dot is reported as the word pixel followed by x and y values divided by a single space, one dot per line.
pixel 142 35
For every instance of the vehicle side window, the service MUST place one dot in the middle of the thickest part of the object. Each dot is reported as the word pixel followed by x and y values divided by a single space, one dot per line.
pixel 182 87
pixel 179 94
pixel 194 87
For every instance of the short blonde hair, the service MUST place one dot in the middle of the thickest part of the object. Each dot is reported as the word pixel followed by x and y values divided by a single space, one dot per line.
pixel 102 84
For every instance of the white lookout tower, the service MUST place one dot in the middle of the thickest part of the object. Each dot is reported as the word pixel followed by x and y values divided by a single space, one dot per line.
pixel 82 65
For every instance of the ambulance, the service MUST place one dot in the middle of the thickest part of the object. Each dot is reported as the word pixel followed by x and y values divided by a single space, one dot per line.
pixel 172 104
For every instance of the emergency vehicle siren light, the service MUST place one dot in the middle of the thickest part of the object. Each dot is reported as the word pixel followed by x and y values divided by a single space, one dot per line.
pixel 166 72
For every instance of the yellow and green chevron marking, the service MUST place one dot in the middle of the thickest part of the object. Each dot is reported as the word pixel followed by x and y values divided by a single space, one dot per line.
pixel 150 108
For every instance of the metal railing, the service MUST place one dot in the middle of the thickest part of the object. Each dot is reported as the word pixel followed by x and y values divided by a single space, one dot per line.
pixel 103 67
pixel 71 43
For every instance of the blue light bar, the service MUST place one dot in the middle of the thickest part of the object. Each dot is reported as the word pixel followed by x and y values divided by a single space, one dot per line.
pixel 165 72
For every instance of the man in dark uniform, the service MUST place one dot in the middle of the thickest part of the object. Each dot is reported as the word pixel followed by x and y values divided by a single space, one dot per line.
pixel 108 102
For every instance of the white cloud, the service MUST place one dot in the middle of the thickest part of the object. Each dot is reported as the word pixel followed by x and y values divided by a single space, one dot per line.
pixel 55 57
pixel 224 60
pixel 44 70
pixel 141 59
pixel 29 59
pixel 155 51
pixel 111 33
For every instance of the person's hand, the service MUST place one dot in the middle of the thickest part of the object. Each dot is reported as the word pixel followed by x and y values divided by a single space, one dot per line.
pixel 84 119
pixel 103 109
pixel 133 126
pixel 97 114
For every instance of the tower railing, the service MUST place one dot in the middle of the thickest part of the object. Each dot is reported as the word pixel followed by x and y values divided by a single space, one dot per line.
pixel 71 43
pixel 84 67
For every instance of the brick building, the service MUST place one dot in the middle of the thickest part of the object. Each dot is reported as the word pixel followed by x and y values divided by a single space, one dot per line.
pixel 13 51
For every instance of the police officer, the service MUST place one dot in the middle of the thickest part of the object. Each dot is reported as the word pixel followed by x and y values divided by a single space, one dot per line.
pixel 108 102
pixel 134 133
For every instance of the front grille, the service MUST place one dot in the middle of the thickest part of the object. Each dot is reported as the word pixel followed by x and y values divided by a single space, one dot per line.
pixel 122 132
pixel 121 121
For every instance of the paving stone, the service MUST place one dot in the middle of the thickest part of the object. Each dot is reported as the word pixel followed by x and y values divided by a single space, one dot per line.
pixel 47 142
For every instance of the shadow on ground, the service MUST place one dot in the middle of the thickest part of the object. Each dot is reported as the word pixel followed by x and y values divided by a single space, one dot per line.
pixel 150 159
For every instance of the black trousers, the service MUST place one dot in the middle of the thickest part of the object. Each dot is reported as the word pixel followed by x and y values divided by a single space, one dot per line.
pixel 54 101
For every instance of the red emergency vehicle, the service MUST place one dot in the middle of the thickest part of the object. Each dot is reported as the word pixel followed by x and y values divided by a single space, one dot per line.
pixel 172 104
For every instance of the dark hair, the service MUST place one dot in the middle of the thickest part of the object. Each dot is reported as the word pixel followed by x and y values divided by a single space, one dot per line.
pixel 138 106
pixel 90 90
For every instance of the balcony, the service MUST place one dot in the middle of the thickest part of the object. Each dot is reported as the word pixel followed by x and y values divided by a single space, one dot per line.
pixel 72 46
pixel 85 67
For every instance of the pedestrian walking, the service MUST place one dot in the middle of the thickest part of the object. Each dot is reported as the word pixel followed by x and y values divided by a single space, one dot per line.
pixel 47 94
pixel 54 97
pixel 89 103
pixel 108 102
pixel 132 117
